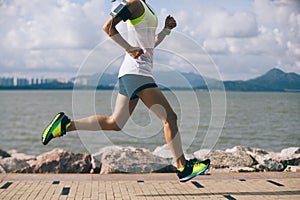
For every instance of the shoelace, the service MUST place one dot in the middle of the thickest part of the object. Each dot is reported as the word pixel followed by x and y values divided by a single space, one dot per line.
pixel 196 162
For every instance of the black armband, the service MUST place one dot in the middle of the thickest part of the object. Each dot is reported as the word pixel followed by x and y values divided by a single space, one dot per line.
pixel 121 11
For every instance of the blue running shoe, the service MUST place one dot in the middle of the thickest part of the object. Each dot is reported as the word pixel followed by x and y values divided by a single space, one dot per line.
pixel 57 127
pixel 193 168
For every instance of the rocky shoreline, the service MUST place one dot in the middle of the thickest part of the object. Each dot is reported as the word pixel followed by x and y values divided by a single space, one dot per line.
pixel 116 159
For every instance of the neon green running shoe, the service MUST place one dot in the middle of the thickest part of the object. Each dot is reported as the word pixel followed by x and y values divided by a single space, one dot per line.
pixel 193 168
pixel 57 128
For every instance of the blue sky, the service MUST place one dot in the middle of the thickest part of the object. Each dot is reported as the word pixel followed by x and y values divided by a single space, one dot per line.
pixel 244 38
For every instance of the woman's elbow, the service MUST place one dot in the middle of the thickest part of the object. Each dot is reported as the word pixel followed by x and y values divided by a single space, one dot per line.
pixel 106 29
pixel 109 30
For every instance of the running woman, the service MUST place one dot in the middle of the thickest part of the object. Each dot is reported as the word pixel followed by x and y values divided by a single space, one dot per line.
pixel 135 83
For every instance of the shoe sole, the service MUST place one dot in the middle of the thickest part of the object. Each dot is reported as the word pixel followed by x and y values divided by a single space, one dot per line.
pixel 194 175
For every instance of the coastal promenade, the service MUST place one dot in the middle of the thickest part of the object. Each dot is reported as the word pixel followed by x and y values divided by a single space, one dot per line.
pixel 227 186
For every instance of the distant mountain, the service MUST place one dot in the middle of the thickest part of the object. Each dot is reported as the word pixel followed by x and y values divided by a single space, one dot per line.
pixel 273 80
pixel 181 80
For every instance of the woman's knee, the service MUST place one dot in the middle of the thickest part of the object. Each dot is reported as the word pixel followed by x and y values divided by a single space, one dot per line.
pixel 171 118
pixel 171 124
pixel 113 124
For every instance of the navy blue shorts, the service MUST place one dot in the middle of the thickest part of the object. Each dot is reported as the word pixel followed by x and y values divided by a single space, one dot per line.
pixel 130 84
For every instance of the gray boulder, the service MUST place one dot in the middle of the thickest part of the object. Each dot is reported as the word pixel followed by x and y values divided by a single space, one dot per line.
pixel 269 165
pixel 60 161
pixel 96 166
pixel 202 154
pixel 163 151
pixel 290 168
pixel 21 156
pixel 290 152
pixel 266 161
pixel 223 159
pixel 11 164
pixel 271 161
pixel 290 156
pixel 232 170
pixel 2 170
pixel 131 160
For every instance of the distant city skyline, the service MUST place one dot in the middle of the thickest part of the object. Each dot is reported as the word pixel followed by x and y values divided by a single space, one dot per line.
pixel 23 81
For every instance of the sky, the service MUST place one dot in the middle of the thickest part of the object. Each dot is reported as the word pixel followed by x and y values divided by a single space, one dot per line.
pixel 52 38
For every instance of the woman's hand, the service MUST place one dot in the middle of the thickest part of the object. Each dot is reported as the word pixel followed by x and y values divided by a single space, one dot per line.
pixel 170 23
pixel 135 52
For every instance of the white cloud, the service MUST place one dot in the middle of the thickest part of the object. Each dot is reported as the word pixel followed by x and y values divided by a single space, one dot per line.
pixel 216 46
pixel 218 23
pixel 248 42
pixel 48 34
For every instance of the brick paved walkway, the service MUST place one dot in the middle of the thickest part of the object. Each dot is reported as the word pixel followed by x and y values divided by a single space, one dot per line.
pixel 150 186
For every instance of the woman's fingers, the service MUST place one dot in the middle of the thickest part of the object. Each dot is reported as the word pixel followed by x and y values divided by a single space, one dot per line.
pixel 136 52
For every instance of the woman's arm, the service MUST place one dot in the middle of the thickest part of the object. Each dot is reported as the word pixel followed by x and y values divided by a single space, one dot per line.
pixel 170 23
pixel 110 29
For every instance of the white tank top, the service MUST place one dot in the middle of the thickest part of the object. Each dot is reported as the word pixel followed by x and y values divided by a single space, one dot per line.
pixel 141 33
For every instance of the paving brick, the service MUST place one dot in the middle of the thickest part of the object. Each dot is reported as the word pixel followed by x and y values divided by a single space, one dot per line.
pixel 150 186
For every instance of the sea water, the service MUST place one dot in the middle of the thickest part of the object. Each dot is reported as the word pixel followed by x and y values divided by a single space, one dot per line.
pixel 264 120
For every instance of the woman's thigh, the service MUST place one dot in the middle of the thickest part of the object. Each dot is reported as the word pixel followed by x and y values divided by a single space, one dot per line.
pixel 155 100
pixel 123 109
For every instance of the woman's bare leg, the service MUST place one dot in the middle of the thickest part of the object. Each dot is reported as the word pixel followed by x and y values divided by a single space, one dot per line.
pixel 122 111
pixel 154 99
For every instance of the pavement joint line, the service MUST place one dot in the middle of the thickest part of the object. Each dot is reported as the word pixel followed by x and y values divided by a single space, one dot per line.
pixel 65 191
pixel 55 182
pixel 229 197
pixel 6 185
pixel 275 183
pixel 197 184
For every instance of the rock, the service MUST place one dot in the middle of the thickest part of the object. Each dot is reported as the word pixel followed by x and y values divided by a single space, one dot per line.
pixel 4 154
pixel 109 149
pixel 290 168
pixel 266 162
pixel 201 154
pixel 222 159
pixel 21 156
pixel 290 156
pixel 163 151
pixel 274 161
pixel 2 170
pixel 246 157
pixel 232 170
pixel 11 164
pixel 238 149
pixel 60 161
pixel 96 166
pixel 242 169
pixel 270 165
pixel 290 152
pixel 116 159
pixel 257 151
pixel 131 160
